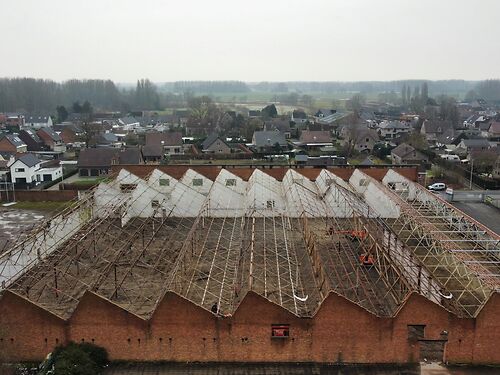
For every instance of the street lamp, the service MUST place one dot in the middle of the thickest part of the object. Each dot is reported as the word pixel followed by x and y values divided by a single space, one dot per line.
pixel 471 168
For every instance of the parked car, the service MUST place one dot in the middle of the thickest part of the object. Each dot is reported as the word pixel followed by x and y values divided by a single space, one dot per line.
pixel 453 158
pixel 437 186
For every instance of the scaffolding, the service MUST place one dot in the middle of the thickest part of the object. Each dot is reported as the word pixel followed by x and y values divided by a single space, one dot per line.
pixel 132 240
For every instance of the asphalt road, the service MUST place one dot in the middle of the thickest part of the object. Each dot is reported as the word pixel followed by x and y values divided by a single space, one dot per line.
pixel 486 215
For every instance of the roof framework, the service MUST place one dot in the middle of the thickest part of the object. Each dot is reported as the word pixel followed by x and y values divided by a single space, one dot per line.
pixel 132 240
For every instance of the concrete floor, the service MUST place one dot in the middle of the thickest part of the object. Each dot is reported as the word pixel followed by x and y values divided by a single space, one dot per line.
pixel 13 222
pixel 486 215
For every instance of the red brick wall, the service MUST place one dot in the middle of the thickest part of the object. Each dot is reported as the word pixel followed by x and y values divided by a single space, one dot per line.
pixel 211 172
pixel 42 195
pixel 487 332
pixel 27 332
pixel 182 331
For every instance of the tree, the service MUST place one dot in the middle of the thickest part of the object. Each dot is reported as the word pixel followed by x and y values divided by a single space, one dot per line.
pixel 307 100
pixel 277 148
pixel 403 95
pixel 448 109
pixel 424 93
pixel 489 90
pixel 484 161
pixel 204 114
pixel 77 108
pixel 417 140
pixel 356 103
pixel 62 113
pixel 269 111
pixel 87 108
pixel 146 95
pixel 76 359
pixel 471 96
pixel 90 131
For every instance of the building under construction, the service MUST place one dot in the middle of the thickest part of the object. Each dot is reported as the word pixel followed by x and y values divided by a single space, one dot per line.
pixel 207 264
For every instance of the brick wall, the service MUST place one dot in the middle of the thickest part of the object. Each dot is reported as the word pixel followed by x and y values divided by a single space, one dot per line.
pixel 27 332
pixel 182 331
pixel 211 171
pixel 41 195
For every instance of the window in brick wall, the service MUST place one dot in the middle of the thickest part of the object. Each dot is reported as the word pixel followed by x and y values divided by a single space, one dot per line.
pixel 281 331
pixel 416 331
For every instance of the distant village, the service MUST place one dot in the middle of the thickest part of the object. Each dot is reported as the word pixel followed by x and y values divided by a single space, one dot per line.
pixel 39 150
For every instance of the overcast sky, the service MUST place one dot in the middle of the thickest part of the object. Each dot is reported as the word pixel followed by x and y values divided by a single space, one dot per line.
pixel 274 40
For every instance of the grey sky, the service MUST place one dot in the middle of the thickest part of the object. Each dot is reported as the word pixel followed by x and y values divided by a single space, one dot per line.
pixel 255 40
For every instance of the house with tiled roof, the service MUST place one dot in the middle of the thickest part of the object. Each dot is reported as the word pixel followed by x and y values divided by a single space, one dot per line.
pixel 12 144
pixel 214 144
pixel 23 170
pixel 38 121
pixel 315 138
pixel 51 139
pixel 494 131
pixel 96 162
pixel 32 140
pixel 433 130
pixel 393 129
pixel 407 154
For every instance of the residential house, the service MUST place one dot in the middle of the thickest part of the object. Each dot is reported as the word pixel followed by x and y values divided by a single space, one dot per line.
pixel 333 118
pixel 13 121
pixel 213 144
pixel 315 139
pixel 393 129
pixel 323 113
pixel 407 154
pixel 38 121
pixel 437 130
pixel 51 139
pixel 171 142
pixel 49 174
pixel 152 153
pixel 108 140
pixel 12 144
pixel 278 124
pixel 97 162
pixel 32 140
pixel 129 123
pixel 359 137
pixel 483 129
pixel 69 133
pixel 265 139
pixel 494 131
pixel 253 113
pixel 467 146
pixel 299 117
pixel 473 120
pixel 23 170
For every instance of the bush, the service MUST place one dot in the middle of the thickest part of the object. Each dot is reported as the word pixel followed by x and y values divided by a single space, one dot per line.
pixel 76 359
